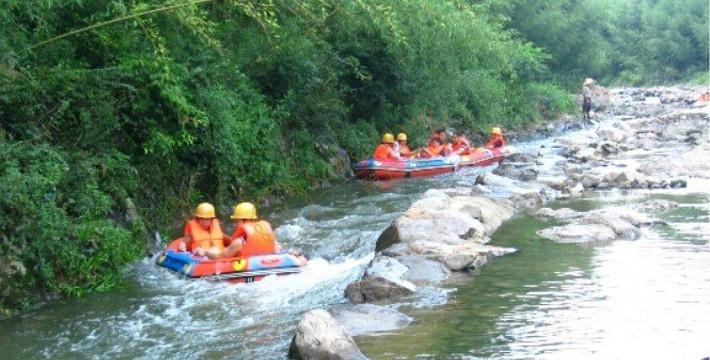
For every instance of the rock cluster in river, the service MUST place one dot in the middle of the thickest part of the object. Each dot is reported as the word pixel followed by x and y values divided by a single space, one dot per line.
pixel 447 230
pixel 444 231
pixel 605 224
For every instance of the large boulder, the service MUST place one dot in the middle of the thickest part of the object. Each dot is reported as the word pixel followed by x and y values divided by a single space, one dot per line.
pixel 364 319
pixel 320 337
pixel 447 220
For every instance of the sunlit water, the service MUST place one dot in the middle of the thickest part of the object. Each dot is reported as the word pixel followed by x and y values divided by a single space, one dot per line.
pixel 646 298
pixel 629 299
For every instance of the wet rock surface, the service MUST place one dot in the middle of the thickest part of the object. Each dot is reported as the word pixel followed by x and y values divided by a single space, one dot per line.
pixel 374 288
pixel 320 336
pixel 369 319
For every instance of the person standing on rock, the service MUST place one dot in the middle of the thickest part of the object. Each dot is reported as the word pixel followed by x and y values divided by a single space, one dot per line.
pixel 587 97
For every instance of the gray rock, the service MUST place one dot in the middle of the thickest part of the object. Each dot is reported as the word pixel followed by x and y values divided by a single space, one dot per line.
pixel 622 228
pixel 578 233
pixel 607 148
pixel 390 269
pixel 656 206
pixel 424 271
pixel 678 183
pixel 365 319
pixel 523 172
pixel 374 288
pixel 521 158
pixel 563 214
pixel 320 337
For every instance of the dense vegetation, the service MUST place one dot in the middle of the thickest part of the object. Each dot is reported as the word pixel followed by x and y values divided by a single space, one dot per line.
pixel 109 103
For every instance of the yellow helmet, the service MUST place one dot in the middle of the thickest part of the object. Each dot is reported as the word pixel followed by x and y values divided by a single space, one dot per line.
pixel 496 130
pixel 205 211
pixel 588 81
pixel 388 138
pixel 401 137
pixel 244 211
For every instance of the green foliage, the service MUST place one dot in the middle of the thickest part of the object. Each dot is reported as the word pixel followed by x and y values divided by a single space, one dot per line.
pixel 118 116
pixel 55 223
pixel 626 42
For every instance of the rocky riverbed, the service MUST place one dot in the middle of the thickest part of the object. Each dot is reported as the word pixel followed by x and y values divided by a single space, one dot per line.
pixel 640 139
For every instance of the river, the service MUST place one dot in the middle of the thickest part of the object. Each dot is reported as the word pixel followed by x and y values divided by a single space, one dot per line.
pixel 643 298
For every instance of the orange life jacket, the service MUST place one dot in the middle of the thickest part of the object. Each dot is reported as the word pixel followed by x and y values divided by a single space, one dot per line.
pixel 260 239
pixel 383 152
pixel 204 239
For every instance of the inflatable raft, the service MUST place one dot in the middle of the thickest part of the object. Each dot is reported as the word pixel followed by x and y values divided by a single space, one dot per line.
pixel 239 270
pixel 384 170
pixel 485 157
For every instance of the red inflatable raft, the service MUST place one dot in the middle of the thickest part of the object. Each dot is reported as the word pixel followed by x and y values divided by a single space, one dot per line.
pixel 384 170
pixel 485 157
pixel 240 270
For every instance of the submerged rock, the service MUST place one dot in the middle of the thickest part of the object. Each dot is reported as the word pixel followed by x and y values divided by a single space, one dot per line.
pixel 320 336
pixel 596 225
pixel 563 214
pixel 365 319
pixel 578 233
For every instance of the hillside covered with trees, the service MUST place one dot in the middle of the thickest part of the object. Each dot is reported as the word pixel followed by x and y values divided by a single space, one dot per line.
pixel 118 116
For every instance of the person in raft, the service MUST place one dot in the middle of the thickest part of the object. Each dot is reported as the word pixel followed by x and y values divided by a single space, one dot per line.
pixel 436 148
pixel 496 140
pixel 203 234
pixel 461 145
pixel 385 151
pixel 253 236
pixel 404 150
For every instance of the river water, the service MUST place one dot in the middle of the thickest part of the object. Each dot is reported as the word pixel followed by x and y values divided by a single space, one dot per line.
pixel 646 298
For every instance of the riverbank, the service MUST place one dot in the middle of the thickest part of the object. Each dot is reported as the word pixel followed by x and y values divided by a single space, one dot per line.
pixel 637 131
